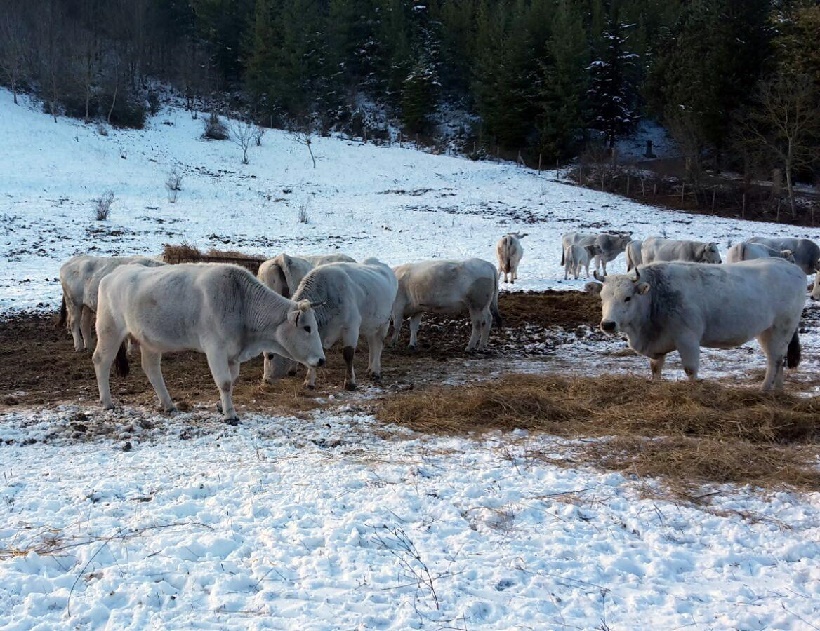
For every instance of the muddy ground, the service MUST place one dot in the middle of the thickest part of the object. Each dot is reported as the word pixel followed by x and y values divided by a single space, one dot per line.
pixel 38 364
pixel 543 332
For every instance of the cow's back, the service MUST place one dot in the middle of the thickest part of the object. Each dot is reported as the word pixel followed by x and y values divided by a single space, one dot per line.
pixel 729 304
pixel 445 286
pixel 174 306
pixel 806 252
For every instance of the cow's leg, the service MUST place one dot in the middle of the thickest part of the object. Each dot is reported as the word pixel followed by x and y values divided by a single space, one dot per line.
pixel 350 338
pixel 476 318
pixel 275 367
pixel 689 351
pixel 310 378
pixel 397 317
pixel 415 322
pixel 109 339
pixel 87 327
pixel 221 372
pixel 486 325
pixel 74 323
pixel 775 351
pixel 375 345
pixel 656 365
pixel 151 362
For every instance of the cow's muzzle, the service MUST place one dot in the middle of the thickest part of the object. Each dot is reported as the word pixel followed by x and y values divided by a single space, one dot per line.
pixel 608 326
pixel 321 362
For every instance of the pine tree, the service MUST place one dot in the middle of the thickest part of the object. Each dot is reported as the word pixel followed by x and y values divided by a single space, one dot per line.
pixel 611 94
pixel 562 89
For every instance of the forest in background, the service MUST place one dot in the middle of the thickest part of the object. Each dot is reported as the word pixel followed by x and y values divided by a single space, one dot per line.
pixel 735 82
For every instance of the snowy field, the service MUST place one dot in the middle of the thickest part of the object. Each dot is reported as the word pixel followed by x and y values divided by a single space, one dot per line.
pixel 335 521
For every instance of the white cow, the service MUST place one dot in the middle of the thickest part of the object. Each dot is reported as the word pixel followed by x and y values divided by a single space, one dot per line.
pixel 283 273
pixel 220 310
pixel 351 299
pixel 80 277
pixel 748 251
pixel 608 245
pixel 655 249
pixel 633 255
pixel 509 251
pixel 449 287
pixel 683 306
pixel 805 251
pixel 577 256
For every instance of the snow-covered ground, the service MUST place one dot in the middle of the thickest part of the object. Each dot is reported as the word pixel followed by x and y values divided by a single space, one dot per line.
pixel 325 523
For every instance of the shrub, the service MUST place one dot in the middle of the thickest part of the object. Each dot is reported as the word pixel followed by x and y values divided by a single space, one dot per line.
pixel 215 129
pixel 102 206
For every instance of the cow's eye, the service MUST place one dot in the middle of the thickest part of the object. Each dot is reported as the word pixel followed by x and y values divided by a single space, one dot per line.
pixel 628 298
pixel 306 328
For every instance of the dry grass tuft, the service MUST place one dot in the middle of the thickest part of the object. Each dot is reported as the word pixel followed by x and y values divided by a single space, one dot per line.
pixel 684 432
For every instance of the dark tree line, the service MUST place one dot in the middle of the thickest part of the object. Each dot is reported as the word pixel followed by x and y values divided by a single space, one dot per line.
pixel 541 77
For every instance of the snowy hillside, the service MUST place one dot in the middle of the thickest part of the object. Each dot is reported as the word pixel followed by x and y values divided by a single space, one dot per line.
pixel 334 521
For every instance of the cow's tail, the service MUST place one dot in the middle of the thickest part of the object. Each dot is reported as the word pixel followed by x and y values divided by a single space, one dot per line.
pixel 793 354
pixel 121 361
pixel 562 254
pixel 742 253
pixel 629 262
pixel 63 313
pixel 497 321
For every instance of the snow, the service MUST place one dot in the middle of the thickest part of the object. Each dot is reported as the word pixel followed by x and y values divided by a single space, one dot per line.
pixel 324 522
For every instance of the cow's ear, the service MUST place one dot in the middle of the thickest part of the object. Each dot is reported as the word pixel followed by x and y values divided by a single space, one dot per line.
pixel 641 288
pixel 293 316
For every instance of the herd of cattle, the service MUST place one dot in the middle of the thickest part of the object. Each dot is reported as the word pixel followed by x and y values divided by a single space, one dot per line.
pixel 677 298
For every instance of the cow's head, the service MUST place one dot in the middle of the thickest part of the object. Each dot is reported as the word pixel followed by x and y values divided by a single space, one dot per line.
pixel 707 253
pixel 622 301
pixel 594 249
pixel 299 335
pixel 788 255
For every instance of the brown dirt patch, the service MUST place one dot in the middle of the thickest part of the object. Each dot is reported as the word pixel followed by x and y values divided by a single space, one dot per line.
pixel 38 364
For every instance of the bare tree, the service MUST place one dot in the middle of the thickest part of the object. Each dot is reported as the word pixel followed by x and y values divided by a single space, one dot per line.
pixel 305 137
pixel 242 133
pixel 783 124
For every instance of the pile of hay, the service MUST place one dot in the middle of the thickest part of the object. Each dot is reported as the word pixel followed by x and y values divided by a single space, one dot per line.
pixel 185 253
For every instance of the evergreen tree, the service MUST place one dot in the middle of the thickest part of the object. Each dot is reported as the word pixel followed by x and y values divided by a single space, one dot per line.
pixel 562 90
pixel 709 67
pixel 611 94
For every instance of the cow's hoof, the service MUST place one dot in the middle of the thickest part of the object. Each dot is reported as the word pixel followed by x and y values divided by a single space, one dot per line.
pixel 375 378
pixel 292 373
pixel 350 387
pixel 233 422
pixel 412 347
pixel 219 407
pixel 310 387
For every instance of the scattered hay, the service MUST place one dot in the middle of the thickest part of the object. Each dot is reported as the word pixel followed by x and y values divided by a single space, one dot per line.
pixel 185 253
pixel 679 431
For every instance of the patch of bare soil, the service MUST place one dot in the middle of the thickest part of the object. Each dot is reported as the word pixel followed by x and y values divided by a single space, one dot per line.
pixel 38 364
